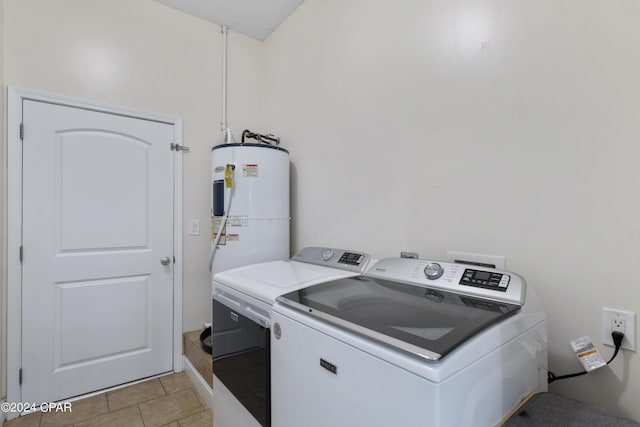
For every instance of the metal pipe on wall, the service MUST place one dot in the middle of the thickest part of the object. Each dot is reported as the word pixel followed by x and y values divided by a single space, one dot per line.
pixel 226 137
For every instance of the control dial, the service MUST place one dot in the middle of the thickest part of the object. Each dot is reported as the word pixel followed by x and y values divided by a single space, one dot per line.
pixel 433 270
pixel 327 254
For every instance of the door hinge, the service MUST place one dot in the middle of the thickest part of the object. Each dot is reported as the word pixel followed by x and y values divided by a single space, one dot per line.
pixel 22 131
pixel 20 377
pixel 21 254
pixel 178 147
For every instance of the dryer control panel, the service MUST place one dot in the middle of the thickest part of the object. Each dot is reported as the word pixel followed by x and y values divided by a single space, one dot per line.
pixel 342 259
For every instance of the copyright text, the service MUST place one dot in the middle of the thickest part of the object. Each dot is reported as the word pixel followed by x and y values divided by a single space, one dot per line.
pixel 21 407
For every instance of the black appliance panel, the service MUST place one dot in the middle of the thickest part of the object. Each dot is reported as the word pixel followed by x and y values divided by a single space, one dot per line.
pixel 241 360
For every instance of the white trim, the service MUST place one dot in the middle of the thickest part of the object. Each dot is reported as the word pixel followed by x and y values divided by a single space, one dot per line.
pixel 14 240
pixel 198 382
pixel 14 222
pixel 177 250
pixel 35 95
pixel 3 417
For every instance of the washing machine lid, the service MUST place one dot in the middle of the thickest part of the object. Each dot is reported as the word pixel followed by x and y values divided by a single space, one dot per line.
pixel 425 322
pixel 268 280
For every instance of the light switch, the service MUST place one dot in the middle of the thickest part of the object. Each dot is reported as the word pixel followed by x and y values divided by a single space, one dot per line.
pixel 194 227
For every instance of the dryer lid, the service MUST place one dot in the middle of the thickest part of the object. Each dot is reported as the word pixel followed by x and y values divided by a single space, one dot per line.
pixel 426 322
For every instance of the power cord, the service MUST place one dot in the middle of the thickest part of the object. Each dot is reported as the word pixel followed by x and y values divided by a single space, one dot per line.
pixel 265 139
pixel 617 341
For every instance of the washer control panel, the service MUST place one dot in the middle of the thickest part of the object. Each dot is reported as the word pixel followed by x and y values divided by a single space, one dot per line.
pixel 483 282
pixel 485 279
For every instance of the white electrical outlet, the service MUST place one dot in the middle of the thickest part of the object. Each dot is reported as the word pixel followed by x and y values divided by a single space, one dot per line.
pixel 619 320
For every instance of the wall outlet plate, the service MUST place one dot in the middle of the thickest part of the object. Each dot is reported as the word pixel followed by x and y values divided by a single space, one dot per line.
pixel 413 255
pixel 619 320
pixel 479 259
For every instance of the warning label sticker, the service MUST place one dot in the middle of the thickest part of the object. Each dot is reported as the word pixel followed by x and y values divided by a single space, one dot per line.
pixel 216 221
pixel 250 170
pixel 587 354
pixel 233 237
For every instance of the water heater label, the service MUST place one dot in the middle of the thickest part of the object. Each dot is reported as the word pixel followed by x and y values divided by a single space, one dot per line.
pixel 250 170
pixel 215 226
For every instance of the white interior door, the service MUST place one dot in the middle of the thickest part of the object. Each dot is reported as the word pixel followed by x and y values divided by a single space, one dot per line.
pixel 97 303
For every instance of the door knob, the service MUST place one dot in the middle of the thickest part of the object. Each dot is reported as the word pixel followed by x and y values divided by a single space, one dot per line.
pixel 165 261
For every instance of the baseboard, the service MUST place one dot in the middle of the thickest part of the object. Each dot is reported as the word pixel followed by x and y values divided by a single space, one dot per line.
pixel 199 383
pixel 3 417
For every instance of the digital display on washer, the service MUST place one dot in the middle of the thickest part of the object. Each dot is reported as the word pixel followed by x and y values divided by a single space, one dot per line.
pixel 485 279
pixel 482 275
pixel 435 320
pixel 351 258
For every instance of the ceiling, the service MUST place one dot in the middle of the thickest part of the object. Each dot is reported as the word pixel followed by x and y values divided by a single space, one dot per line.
pixel 255 18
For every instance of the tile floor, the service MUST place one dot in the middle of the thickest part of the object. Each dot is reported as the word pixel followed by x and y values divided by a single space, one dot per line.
pixel 170 401
pixel 197 356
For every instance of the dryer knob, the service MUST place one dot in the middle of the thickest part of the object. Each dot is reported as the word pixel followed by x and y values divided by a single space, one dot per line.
pixel 433 270
pixel 327 254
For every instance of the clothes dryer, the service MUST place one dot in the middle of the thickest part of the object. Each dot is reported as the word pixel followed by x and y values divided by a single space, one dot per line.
pixel 242 302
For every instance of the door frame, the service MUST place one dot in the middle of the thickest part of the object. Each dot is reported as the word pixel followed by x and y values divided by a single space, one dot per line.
pixel 16 95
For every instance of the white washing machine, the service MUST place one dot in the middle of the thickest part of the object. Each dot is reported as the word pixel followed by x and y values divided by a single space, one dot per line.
pixel 411 343
pixel 242 302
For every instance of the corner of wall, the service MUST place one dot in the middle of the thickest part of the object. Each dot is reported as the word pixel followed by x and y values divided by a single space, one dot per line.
pixel 3 281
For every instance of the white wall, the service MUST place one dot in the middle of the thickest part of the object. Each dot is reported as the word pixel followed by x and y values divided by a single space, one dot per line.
pixel 3 308
pixel 508 128
pixel 496 127
pixel 141 54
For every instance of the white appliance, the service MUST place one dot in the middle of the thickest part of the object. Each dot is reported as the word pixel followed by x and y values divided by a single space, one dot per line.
pixel 411 343
pixel 242 300
pixel 251 207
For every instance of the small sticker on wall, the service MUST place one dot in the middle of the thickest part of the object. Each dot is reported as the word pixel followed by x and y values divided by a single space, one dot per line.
pixel 233 237
pixel 216 221
pixel 238 221
pixel 250 170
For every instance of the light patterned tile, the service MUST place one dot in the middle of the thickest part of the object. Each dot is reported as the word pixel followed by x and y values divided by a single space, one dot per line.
pixel 31 420
pixel 134 394
pixel 194 357
pixel 176 382
pixel 169 408
pixel 200 359
pixel 127 417
pixel 191 337
pixel 207 373
pixel 173 424
pixel 201 399
pixel 81 410
pixel 201 419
